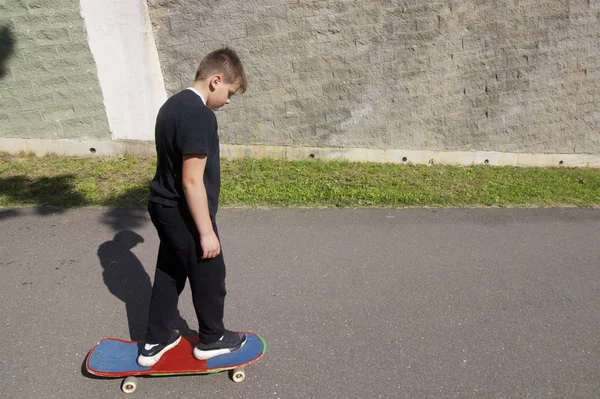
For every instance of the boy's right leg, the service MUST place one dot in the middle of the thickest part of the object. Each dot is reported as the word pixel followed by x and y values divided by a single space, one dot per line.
pixel 207 281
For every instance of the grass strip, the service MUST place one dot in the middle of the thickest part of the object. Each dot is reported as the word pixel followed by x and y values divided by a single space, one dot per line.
pixel 123 182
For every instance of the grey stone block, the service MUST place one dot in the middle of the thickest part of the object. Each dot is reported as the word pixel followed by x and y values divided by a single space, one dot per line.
pixel 261 28
pixel 53 36
pixel 25 22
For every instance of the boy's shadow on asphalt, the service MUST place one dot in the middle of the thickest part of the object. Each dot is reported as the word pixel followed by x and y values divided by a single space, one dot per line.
pixel 126 279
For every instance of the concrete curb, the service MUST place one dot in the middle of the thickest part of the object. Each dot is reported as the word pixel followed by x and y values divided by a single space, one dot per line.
pixel 229 151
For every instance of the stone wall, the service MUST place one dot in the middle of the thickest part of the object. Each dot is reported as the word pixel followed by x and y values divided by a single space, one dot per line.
pixel 490 75
pixel 48 83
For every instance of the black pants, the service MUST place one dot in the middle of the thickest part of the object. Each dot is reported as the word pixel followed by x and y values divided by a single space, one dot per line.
pixel 179 259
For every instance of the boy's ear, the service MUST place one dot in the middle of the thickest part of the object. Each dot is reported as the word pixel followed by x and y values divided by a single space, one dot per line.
pixel 215 81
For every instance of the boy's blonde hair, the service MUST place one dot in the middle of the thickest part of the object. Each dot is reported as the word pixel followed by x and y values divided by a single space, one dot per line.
pixel 226 62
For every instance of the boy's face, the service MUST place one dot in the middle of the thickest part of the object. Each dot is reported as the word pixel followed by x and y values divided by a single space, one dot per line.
pixel 221 92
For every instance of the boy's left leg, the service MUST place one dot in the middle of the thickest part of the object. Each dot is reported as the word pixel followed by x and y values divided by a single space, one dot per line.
pixel 169 282
pixel 168 285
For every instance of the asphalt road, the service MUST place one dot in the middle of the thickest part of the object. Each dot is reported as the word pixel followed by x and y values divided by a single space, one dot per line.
pixel 415 303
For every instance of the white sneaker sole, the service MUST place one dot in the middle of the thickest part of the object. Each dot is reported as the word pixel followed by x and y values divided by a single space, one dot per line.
pixel 149 361
pixel 205 355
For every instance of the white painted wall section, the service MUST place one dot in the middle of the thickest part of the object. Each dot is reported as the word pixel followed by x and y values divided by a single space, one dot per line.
pixel 122 43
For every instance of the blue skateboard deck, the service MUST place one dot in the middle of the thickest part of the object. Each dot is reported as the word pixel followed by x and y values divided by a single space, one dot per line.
pixel 112 357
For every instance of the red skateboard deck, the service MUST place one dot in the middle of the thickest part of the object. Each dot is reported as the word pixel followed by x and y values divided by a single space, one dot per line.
pixel 115 358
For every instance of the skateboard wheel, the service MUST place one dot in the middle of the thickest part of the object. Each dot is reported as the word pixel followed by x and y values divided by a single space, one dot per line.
pixel 237 375
pixel 129 385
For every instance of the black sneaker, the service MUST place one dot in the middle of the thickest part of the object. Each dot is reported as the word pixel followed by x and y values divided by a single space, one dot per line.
pixel 151 353
pixel 229 342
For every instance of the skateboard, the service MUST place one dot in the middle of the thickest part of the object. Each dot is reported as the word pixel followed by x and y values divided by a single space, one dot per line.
pixel 116 358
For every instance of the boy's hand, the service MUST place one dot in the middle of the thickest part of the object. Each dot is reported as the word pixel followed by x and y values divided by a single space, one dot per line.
pixel 211 247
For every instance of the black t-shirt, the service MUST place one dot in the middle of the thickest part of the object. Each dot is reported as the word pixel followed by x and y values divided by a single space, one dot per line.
pixel 184 126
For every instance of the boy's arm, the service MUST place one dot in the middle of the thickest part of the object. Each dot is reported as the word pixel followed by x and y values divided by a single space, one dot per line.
pixel 197 200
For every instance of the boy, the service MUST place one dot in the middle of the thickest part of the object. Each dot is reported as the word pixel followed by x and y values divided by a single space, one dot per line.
pixel 183 204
